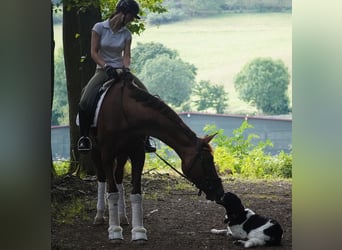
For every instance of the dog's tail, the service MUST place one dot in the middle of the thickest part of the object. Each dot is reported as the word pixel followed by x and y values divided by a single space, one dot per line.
pixel 275 232
pixel 219 231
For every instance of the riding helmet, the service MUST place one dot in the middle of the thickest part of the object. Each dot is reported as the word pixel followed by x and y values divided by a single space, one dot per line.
pixel 128 6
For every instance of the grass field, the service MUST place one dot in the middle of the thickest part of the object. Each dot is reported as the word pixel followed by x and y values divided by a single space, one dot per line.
pixel 219 47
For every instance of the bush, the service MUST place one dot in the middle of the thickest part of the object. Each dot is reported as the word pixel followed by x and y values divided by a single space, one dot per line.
pixel 238 155
pixel 167 17
pixel 61 167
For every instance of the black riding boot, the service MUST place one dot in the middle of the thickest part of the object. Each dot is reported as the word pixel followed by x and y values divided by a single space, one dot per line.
pixel 148 147
pixel 84 144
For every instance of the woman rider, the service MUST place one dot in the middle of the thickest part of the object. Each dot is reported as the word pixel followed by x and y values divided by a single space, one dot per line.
pixel 110 50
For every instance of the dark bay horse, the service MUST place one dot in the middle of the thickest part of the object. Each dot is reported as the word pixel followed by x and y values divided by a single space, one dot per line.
pixel 127 115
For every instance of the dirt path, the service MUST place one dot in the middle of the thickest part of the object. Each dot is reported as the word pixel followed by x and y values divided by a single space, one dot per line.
pixel 174 216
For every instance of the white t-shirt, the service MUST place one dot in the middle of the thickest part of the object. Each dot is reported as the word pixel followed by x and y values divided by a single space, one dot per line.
pixel 112 44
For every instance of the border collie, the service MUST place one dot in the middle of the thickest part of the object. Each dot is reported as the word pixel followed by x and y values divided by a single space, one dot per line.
pixel 248 228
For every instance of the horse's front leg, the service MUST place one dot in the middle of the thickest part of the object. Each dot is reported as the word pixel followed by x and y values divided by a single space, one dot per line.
pixel 114 229
pixel 119 172
pixel 138 230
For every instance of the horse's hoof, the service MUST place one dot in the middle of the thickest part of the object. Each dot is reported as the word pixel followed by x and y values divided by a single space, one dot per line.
pixel 139 234
pixel 116 241
pixel 140 242
pixel 115 233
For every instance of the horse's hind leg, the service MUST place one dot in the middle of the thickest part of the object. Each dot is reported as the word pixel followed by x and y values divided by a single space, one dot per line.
pixel 119 172
pixel 138 230
pixel 101 189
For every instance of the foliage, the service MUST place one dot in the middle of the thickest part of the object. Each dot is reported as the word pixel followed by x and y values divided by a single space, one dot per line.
pixel 264 82
pixel 60 112
pixel 146 51
pixel 178 10
pixel 258 5
pixel 203 8
pixel 182 10
pixel 171 79
pixel 240 156
pixel 170 16
pixel 163 72
pixel 61 167
pixel 283 165
pixel 209 95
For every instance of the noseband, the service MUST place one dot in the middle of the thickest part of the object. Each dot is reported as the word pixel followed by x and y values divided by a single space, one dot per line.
pixel 208 184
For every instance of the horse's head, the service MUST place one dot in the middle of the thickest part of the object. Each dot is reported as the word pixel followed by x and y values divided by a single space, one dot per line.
pixel 202 171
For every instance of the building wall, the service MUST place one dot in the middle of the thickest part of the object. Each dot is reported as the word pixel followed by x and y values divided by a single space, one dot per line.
pixel 278 131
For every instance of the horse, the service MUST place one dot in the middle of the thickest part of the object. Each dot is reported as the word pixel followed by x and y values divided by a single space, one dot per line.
pixel 127 115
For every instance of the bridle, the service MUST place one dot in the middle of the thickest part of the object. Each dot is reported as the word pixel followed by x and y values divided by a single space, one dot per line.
pixel 207 184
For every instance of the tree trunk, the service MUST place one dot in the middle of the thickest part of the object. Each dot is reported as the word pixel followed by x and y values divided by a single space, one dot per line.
pixel 79 68
pixel 53 172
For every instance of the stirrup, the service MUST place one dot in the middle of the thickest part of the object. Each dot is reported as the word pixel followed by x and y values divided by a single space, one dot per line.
pixel 84 144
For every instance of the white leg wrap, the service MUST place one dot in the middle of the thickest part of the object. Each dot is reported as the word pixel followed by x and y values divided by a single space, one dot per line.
pixel 138 230
pixel 114 230
pixel 100 207
pixel 122 205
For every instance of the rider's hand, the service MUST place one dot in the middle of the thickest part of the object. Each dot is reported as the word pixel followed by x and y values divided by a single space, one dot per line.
pixel 126 72
pixel 111 72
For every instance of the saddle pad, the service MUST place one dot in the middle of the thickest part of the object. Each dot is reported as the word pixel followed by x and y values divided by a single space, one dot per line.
pixel 98 106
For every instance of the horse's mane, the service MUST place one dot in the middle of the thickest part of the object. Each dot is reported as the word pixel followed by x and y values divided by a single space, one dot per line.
pixel 156 103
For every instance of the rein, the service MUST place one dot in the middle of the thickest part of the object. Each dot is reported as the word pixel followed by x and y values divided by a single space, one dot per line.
pixel 172 167
pixel 178 172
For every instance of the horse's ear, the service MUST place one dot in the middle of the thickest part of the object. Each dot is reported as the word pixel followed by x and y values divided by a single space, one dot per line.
pixel 208 138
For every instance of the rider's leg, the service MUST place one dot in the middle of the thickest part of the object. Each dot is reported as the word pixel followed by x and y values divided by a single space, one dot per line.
pixel 87 103
pixel 84 143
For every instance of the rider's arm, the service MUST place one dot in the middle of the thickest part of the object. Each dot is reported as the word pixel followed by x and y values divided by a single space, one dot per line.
pixel 94 49
pixel 127 54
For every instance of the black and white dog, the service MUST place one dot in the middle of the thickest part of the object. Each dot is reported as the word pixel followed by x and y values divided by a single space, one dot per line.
pixel 248 228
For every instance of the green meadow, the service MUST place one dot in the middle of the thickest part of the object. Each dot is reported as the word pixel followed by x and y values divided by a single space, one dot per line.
pixel 220 46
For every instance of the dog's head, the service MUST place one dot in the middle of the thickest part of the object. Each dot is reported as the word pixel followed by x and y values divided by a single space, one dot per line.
pixel 232 203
